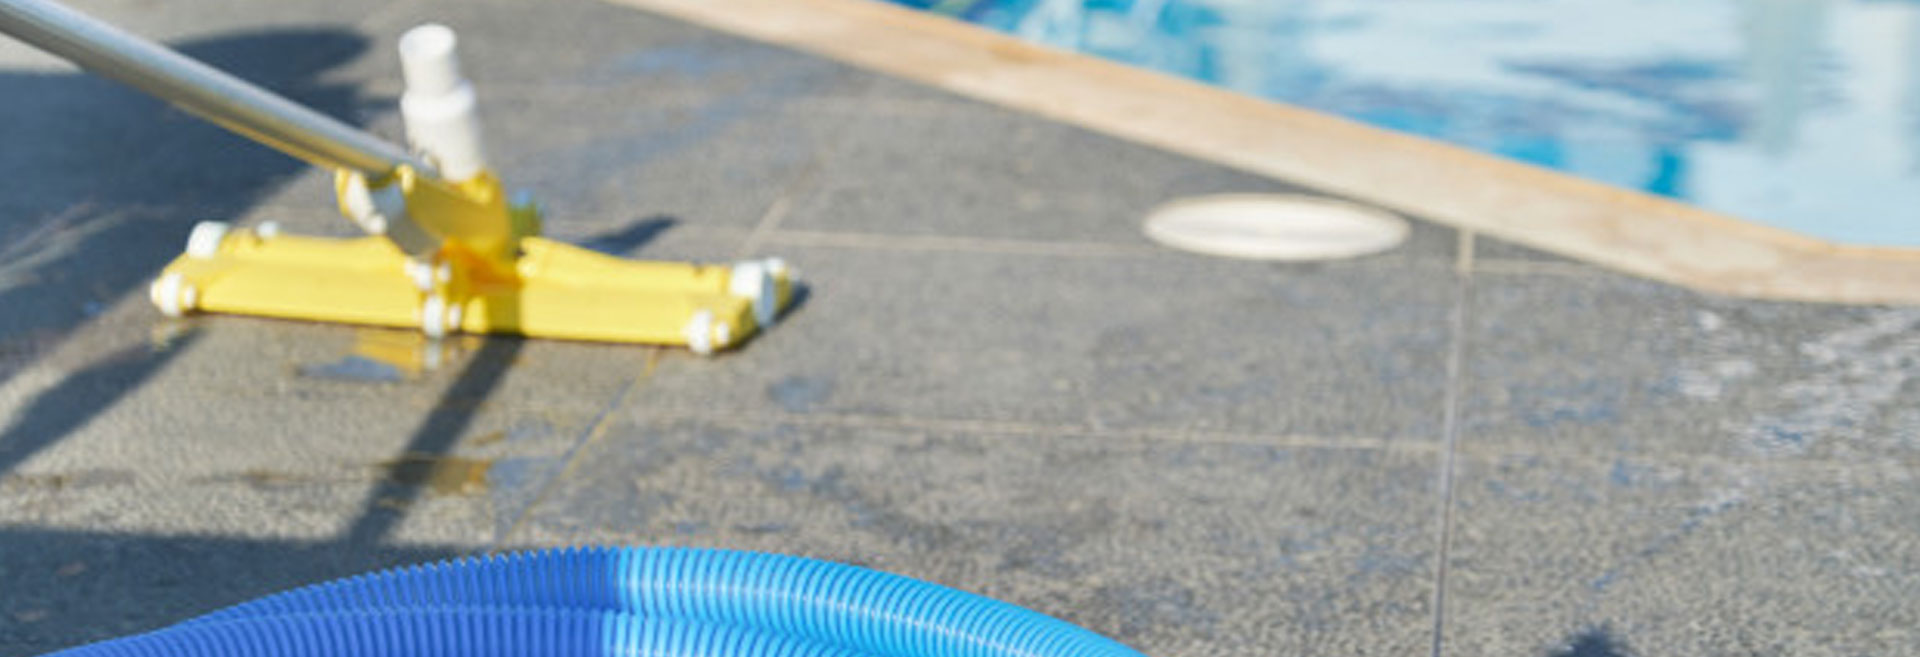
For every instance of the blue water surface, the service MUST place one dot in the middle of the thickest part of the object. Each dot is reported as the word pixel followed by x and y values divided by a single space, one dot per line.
pixel 1801 114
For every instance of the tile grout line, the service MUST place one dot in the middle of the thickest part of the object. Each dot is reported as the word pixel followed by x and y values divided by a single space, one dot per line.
pixel 768 224
pixel 806 182
pixel 770 220
pixel 1450 431
pixel 594 432
pixel 1028 430
pixel 1463 252
pixel 797 187
pixel 378 18
pixel 959 244
pixel 1174 435
pixel 1522 267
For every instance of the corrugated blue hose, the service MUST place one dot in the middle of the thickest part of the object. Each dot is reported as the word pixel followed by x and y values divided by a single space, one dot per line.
pixel 620 602
pixel 458 632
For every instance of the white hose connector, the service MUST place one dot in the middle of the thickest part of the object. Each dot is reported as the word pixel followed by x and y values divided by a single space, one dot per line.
pixel 173 295
pixel 439 105
pixel 204 242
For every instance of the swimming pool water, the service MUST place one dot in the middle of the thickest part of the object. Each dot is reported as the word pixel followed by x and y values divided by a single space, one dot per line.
pixel 1802 114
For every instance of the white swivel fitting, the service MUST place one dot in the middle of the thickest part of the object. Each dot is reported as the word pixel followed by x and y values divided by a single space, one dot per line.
pixel 383 211
pixel 439 105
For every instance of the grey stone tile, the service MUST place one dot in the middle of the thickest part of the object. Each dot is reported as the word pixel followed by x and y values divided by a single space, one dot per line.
pixel 613 51
pixel 169 23
pixel 719 164
pixel 1156 343
pixel 664 119
pixel 989 211
pixel 592 163
pixel 256 504
pixel 1177 549
pixel 977 171
pixel 1609 365
pixel 1497 252
pixel 655 238
pixel 327 432
pixel 67 587
pixel 892 90
pixel 94 143
pixel 61 269
pixel 1648 554
pixel 982 145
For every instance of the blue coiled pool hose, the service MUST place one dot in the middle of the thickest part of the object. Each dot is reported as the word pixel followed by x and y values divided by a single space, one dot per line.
pixel 620 602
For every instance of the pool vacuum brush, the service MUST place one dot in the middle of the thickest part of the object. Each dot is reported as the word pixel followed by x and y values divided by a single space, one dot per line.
pixel 447 251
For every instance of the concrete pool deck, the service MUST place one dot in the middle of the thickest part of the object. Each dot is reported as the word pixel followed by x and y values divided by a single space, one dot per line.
pixel 1461 447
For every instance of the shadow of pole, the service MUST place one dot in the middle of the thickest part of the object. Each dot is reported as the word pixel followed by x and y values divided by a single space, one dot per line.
pixel 389 501
pixel 440 432
pixel 624 240
pixel 61 587
pixel 82 396
pixel 99 186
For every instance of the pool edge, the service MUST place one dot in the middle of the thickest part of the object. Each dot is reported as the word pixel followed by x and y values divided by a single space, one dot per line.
pixel 1621 229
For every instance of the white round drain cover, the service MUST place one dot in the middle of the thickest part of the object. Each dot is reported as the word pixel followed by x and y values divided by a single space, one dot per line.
pixel 1275 227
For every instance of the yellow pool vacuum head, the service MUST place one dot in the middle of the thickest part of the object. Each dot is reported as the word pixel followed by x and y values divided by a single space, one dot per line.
pixel 447 251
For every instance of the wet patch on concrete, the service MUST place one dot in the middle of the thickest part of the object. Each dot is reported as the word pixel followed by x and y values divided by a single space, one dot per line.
pixel 1598 642
pixel 799 394
pixel 439 474
pixel 389 356
pixel 67 481
pixel 1851 388
pixel 355 368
